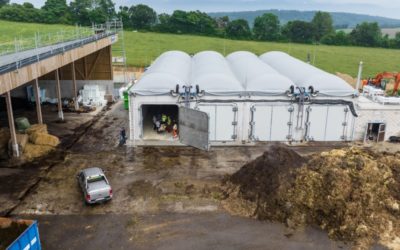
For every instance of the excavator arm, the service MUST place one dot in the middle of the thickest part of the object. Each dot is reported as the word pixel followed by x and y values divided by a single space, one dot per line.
pixel 385 75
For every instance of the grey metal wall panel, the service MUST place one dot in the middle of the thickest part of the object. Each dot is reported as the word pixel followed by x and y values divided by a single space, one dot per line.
pixel 270 122
pixel 193 128
pixel 317 122
pixel 279 123
pixel 334 123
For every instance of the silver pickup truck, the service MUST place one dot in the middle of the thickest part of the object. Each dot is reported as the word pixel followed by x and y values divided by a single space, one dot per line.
pixel 95 185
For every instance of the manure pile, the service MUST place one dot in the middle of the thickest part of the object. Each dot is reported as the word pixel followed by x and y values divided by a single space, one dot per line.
pixel 353 194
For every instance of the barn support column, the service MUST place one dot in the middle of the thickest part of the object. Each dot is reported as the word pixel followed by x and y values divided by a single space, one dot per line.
pixel 74 88
pixel 14 143
pixel 59 103
pixel 37 100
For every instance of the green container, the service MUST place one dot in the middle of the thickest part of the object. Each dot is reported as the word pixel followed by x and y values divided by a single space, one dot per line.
pixel 126 100
pixel 126 97
pixel 22 124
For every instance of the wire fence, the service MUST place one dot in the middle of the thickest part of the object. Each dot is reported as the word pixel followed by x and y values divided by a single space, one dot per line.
pixel 42 46
pixel 40 40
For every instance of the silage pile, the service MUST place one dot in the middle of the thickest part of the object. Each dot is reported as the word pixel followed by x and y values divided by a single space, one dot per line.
pixel 353 194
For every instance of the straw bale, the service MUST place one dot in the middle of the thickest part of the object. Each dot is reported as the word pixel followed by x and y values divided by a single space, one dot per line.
pixel 44 139
pixel 37 128
pixel 33 151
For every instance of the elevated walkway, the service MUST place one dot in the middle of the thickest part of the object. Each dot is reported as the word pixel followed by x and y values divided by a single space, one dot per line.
pixel 19 68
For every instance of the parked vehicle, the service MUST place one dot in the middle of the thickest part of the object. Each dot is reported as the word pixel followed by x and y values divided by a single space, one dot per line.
pixel 19 234
pixel 94 185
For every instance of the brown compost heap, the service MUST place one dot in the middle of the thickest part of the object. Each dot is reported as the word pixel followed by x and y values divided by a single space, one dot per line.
pixel 352 193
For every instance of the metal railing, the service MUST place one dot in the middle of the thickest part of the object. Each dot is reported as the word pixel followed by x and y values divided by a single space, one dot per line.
pixel 42 46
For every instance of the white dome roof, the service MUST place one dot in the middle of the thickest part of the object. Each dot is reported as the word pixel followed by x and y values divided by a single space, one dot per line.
pixel 212 73
pixel 305 75
pixel 168 70
pixel 257 77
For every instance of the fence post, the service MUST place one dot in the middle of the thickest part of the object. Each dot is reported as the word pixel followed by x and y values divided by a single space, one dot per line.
pixel 36 45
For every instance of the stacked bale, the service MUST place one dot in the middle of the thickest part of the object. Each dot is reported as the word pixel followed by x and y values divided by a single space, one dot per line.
pixel 40 141
pixel 36 142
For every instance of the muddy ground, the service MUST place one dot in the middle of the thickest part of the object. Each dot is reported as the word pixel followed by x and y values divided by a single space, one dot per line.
pixel 164 197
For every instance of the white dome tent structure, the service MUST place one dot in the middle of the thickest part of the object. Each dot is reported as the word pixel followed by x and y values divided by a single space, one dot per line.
pixel 238 100
pixel 305 75
pixel 327 116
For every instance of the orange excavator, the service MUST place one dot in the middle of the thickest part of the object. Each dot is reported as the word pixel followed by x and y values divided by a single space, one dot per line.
pixel 377 81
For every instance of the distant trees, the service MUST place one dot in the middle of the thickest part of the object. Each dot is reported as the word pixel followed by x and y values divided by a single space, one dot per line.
pixel 86 12
pixel 141 17
pixel 238 29
pixel 25 12
pixel 298 31
pixel 366 34
pixel 396 40
pixel 266 27
pixel 123 15
pixel 56 11
pixel 3 2
pixel 336 38
pixel 322 25
pixel 192 22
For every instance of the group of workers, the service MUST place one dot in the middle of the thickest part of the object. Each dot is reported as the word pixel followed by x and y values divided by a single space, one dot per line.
pixel 163 123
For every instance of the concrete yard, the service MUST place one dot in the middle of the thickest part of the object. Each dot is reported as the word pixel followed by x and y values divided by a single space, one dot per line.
pixel 164 197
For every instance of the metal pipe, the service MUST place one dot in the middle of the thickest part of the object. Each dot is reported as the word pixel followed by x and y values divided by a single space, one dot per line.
pixel 59 103
pixel 14 143
pixel 36 91
pixel 74 88
pixel 360 68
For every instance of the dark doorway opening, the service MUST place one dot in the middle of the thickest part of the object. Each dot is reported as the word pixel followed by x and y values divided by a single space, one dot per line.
pixel 375 132
pixel 158 122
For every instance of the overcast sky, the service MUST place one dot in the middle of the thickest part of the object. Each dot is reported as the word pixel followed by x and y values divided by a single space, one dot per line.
pixel 387 8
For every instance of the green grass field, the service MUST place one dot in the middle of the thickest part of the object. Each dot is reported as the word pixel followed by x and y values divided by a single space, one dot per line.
pixel 143 48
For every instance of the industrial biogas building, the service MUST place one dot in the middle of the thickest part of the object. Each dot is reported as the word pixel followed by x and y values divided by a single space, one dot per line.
pixel 208 99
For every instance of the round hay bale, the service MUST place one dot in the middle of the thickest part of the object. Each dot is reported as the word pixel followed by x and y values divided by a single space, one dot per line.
pixel 44 139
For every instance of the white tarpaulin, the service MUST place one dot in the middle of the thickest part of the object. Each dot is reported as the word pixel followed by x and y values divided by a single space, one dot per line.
pixel 168 70
pixel 241 73
pixel 305 75
pixel 212 73
pixel 257 77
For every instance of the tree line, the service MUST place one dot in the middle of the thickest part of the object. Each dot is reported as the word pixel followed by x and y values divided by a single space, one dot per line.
pixel 267 27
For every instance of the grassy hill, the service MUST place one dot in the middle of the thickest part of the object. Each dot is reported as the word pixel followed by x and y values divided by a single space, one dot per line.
pixel 143 48
pixel 340 19
pixel 11 30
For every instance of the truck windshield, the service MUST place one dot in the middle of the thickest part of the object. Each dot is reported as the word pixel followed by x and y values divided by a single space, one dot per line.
pixel 92 179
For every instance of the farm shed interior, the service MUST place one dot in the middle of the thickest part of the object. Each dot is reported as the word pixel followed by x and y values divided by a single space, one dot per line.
pixel 246 99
